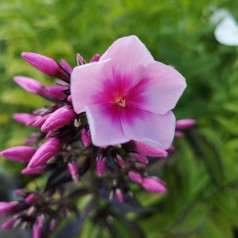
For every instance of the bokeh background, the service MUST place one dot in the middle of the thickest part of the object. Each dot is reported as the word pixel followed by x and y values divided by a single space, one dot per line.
pixel 202 176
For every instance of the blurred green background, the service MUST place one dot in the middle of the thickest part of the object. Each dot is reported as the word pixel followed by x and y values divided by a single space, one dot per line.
pixel 202 177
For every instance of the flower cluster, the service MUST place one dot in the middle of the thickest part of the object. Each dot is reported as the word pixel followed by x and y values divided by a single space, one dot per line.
pixel 107 121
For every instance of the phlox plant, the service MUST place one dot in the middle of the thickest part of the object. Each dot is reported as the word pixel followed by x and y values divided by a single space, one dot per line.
pixel 107 121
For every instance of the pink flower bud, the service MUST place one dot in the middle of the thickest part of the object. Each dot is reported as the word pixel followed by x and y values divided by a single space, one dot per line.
pixel 185 123
pixel 56 91
pixel 148 150
pixel 21 192
pixel 31 198
pixel 39 120
pixel 45 152
pixel 79 59
pixel 69 98
pixel 101 165
pixel 42 63
pixel 52 224
pixel 33 138
pixel 86 137
pixel 73 170
pixel 65 65
pixel 139 157
pixel 29 84
pixel 179 134
pixel 58 119
pixel 19 153
pixel 25 118
pixel 8 223
pixel 153 185
pixel 38 226
pixel 35 170
pixel 135 176
pixel 120 161
pixel 95 58
pixel 8 208
pixel 119 195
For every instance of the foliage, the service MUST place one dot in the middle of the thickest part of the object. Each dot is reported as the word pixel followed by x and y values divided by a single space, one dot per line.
pixel 202 175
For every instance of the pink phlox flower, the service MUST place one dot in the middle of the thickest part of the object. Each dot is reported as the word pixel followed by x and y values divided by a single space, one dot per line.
pixel 127 95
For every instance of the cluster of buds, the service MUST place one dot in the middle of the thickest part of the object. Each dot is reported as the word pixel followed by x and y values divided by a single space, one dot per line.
pixel 62 148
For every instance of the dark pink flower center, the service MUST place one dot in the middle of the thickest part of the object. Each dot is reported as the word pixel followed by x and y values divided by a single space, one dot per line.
pixel 120 101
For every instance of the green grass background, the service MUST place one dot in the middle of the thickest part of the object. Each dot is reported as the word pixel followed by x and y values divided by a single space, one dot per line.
pixel 202 176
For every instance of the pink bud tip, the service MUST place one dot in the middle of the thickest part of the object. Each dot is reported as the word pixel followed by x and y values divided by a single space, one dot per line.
pixel 21 192
pixel 86 137
pixel 66 66
pixel 52 224
pixel 154 185
pixel 179 134
pixel 148 150
pixel 185 123
pixel 35 170
pixel 39 120
pixel 58 119
pixel 25 118
pixel 119 195
pixel 95 58
pixel 120 161
pixel 69 98
pixel 135 177
pixel 45 152
pixel 73 170
pixel 19 153
pixel 42 63
pixel 8 223
pixel 79 59
pixel 56 91
pixel 31 198
pixel 29 84
pixel 139 157
pixel 101 166
pixel 8 208
pixel 38 226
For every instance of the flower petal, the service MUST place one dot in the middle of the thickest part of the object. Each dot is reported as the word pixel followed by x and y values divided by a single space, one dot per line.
pixel 105 125
pixel 160 88
pixel 153 129
pixel 86 82
pixel 127 53
pixel 227 32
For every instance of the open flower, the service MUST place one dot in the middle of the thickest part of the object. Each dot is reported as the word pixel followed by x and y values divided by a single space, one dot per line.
pixel 127 95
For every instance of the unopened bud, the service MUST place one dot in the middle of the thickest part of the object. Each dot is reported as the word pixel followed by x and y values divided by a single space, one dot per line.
pixel 29 84
pixel 19 153
pixel 8 208
pixel 58 119
pixel 38 226
pixel 86 137
pixel 66 66
pixel 139 157
pixel 185 123
pixel 101 165
pixel 95 58
pixel 154 185
pixel 135 176
pixel 45 152
pixel 119 195
pixel 148 150
pixel 25 118
pixel 73 170
pixel 79 59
